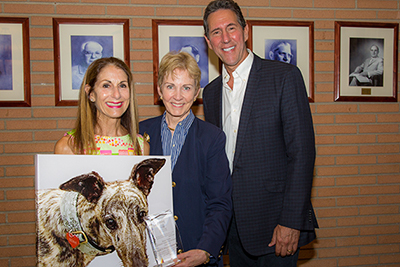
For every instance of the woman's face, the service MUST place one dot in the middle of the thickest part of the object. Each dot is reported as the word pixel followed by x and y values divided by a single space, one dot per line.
pixel 110 93
pixel 178 93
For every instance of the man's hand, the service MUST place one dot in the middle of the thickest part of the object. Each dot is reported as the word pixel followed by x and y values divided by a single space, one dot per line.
pixel 285 240
pixel 191 258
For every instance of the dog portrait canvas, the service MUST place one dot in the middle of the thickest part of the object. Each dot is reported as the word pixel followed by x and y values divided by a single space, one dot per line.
pixel 109 194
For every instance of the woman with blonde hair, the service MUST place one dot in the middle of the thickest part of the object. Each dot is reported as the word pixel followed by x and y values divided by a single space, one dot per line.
pixel 107 122
pixel 200 172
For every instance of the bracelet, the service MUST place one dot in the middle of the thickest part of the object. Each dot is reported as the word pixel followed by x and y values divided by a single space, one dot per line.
pixel 208 257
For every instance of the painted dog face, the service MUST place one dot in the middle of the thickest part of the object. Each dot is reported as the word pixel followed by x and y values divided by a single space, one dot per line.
pixel 112 214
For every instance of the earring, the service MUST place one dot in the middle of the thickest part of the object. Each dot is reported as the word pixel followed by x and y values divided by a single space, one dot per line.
pixel 91 100
pixel 160 97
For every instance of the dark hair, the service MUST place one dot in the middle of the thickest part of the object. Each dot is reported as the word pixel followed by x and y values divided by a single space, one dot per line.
pixel 222 4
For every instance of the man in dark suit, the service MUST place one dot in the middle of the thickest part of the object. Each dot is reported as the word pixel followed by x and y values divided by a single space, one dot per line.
pixel 263 108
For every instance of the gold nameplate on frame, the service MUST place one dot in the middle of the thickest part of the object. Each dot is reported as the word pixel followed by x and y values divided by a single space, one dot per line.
pixel 366 91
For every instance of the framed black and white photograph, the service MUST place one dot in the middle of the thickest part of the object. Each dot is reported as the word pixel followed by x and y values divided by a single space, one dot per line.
pixel 291 42
pixel 79 42
pixel 187 36
pixel 366 61
pixel 15 88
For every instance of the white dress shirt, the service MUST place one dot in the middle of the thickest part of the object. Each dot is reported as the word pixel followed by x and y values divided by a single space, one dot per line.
pixel 232 100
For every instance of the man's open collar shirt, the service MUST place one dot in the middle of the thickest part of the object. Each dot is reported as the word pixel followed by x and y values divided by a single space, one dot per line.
pixel 232 100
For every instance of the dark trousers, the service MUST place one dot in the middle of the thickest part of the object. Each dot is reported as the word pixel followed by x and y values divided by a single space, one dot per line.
pixel 238 257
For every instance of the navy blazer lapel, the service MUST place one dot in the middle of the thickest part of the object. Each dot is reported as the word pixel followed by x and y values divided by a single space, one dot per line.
pixel 250 95
pixel 218 98
pixel 155 138
pixel 216 102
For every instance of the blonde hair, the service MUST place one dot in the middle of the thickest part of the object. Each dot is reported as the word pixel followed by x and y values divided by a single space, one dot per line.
pixel 182 60
pixel 83 141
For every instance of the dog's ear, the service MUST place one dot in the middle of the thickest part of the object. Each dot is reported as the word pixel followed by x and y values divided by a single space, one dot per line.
pixel 142 174
pixel 89 185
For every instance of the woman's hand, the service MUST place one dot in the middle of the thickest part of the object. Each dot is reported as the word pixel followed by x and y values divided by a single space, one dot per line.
pixel 146 148
pixel 192 257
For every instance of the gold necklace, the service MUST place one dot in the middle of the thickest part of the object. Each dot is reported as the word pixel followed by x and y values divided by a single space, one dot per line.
pixel 172 129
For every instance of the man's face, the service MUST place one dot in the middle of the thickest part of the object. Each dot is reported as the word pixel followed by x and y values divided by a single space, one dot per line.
pixel 227 38
pixel 283 53
pixel 374 51
pixel 92 52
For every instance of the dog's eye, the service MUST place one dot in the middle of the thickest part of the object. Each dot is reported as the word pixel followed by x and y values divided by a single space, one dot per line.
pixel 141 216
pixel 111 224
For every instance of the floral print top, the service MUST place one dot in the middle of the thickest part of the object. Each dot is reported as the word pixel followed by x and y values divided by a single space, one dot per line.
pixel 119 145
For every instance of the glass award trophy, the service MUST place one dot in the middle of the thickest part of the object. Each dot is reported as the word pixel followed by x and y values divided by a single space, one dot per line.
pixel 161 230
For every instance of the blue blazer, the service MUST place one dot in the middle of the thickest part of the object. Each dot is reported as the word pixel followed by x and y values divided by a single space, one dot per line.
pixel 202 195
pixel 274 156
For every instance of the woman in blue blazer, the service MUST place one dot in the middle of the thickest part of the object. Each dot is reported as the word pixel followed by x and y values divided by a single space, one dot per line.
pixel 200 171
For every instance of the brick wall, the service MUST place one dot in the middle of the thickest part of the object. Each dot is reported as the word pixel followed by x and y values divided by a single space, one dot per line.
pixel 357 181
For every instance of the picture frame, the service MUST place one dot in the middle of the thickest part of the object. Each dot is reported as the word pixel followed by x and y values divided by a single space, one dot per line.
pixel 78 42
pixel 188 36
pixel 366 61
pixel 49 174
pixel 15 81
pixel 267 37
